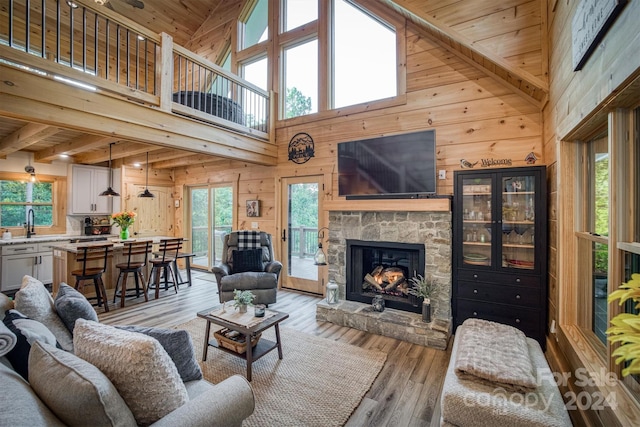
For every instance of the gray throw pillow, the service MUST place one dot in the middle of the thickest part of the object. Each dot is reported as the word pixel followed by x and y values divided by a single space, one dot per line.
pixel 177 343
pixel 71 305
pixel 34 301
pixel 87 394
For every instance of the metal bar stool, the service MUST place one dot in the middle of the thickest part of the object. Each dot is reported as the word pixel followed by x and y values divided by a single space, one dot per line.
pixel 93 255
pixel 162 263
pixel 137 254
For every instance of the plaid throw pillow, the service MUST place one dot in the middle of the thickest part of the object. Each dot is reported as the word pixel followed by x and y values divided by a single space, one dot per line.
pixel 248 239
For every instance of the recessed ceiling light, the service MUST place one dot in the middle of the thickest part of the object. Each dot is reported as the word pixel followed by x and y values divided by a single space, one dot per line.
pixel 64 156
pixel 136 165
pixel 140 38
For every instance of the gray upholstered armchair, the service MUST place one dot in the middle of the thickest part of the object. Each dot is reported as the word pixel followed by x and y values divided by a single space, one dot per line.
pixel 247 264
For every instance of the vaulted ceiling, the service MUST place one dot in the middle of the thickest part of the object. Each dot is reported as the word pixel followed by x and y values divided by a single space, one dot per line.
pixel 184 19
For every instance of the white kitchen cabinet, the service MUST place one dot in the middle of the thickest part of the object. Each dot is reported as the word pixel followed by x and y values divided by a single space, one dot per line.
pixel 33 259
pixel 85 185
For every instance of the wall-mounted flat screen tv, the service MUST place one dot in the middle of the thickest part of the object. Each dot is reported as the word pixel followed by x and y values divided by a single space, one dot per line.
pixel 395 166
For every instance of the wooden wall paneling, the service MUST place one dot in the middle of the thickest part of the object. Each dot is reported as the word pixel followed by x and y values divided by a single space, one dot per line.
pixel 506 20
pixel 452 14
pixel 531 62
pixel 510 44
pixel 575 94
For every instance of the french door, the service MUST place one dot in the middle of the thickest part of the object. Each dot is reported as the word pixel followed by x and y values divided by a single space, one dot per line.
pixel 299 240
pixel 210 218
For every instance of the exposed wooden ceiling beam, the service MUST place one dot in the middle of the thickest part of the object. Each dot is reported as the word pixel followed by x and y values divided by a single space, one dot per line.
pixel 26 136
pixel 189 160
pixel 32 97
pixel 119 150
pixel 70 148
pixel 157 154
pixel 494 65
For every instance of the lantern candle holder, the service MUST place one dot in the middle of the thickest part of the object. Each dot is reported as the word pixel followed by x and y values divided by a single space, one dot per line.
pixel 332 292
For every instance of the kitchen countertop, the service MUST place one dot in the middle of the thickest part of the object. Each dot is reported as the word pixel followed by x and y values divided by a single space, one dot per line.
pixel 51 238
pixel 117 243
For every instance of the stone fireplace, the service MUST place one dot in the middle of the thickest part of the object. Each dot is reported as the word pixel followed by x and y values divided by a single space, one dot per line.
pixel 385 269
pixel 429 232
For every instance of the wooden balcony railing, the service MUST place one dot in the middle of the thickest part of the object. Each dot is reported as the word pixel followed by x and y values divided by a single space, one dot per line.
pixel 100 50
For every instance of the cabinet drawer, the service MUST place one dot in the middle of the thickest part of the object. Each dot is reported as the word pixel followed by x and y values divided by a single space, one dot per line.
pixel 513 295
pixel 21 248
pixel 501 279
pixel 527 320
pixel 47 246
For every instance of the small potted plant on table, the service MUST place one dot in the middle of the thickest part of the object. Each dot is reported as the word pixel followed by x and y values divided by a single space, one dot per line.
pixel 241 299
pixel 423 288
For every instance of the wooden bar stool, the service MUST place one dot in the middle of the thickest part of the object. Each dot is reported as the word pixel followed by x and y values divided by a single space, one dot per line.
pixel 162 263
pixel 97 256
pixel 137 254
pixel 187 265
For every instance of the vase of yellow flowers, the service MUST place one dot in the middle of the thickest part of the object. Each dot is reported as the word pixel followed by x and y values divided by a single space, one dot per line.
pixel 124 220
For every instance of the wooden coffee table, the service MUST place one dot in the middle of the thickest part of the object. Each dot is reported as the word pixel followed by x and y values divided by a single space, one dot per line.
pixel 256 326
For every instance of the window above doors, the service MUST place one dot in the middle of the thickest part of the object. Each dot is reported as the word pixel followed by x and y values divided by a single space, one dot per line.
pixel 326 54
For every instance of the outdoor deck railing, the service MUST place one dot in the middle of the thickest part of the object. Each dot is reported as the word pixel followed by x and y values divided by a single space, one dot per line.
pixel 96 48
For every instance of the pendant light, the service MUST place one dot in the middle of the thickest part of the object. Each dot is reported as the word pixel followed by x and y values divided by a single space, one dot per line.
pixel 31 171
pixel 146 192
pixel 109 191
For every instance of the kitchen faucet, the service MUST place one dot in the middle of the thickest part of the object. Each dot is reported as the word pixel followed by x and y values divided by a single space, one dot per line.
pixel 30 224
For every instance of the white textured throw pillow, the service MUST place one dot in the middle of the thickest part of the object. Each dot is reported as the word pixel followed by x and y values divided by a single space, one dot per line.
pixel 137 365
pixel 34 301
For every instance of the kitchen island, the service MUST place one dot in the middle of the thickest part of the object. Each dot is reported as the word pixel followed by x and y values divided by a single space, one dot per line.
pixel 64 261
pixel 31 256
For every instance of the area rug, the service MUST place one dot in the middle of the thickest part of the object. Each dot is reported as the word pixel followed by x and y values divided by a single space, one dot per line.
pixel 319 382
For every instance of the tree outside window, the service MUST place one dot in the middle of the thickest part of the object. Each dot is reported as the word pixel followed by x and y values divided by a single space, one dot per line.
pixel 18 197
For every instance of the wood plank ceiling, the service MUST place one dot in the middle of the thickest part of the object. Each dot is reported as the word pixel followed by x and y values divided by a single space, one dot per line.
pixel 183 21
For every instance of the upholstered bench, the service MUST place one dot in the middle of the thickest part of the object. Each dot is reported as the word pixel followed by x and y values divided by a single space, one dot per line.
pixel 467 400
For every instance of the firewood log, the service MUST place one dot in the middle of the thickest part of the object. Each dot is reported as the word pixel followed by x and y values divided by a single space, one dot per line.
pixel 370 280
pixel 393 284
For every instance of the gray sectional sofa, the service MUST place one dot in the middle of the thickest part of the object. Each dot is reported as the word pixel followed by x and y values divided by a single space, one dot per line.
pixel 115 376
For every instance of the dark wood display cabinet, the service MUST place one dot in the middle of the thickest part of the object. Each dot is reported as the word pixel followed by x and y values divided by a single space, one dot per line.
pixel 500 248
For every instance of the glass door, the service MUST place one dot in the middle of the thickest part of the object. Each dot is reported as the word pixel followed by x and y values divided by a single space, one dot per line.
pixel 518 221
pixel 211 217
pixel 477 223
pixel 299 241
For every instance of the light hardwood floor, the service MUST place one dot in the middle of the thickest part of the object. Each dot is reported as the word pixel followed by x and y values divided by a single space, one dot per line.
pixel 406 393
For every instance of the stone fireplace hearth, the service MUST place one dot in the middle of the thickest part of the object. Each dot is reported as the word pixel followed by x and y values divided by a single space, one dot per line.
pixel 431 229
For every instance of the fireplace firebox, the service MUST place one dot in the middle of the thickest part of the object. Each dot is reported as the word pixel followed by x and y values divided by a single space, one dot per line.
pixel 383 269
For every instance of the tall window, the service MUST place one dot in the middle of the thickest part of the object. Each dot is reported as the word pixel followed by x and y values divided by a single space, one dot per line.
pixel 364 57
pixel 352 61
pixel 255 28
pixel 299 12
pixel 256 72
pixel 301 79
pixel 594 241
pixel 18 197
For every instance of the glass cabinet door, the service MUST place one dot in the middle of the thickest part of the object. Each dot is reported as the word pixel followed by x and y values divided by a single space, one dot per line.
pixel 518 222
pixel 477 225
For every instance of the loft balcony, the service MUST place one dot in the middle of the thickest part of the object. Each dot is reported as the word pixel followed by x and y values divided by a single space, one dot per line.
pixel 78 66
